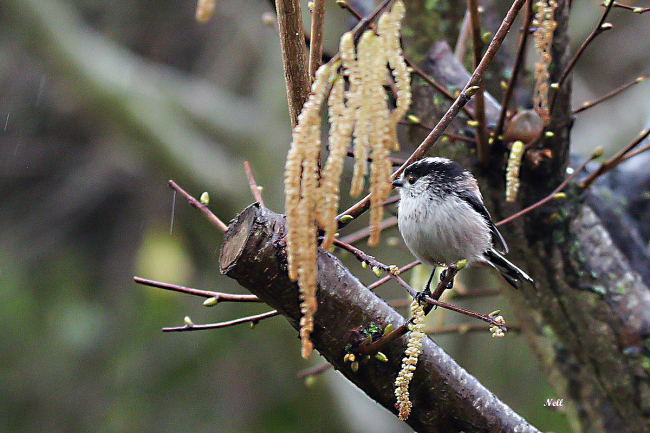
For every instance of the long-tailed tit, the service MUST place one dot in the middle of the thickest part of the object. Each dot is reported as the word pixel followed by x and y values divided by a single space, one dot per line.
pixel 442 219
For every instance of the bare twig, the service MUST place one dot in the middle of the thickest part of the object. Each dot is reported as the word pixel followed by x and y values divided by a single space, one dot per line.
pixel 636 152
pixel 464 329
pixel 256 190
pixel 600 28
pixel 200 206
pixel 294 55
pixel 450 135
pixel 552 195
pixel 614 160
pixel 588 105
pixel 316 41
pixel 221 297
pixel 482 146
pixel 520 60
pixel 365 232
pixel 387 278
pixel 313 371
pixel 250 319
pixel 635 9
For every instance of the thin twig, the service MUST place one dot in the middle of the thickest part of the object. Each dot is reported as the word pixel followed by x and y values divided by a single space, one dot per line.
pixel 483 148
pixel 600 28
pixel 221 297
pixel 452 112
pixel 520 60
pixel 313 371
pixel 365 232
pixel 451 135
pixel 614 160
pixel 252 319
pixel 635 9
pixel 384 340
pixel 464 329
pixel 552 195
pixel 588 105
pixel 256 190
pixel 387 278
pixel 636 152
pixel 200 206
pixel 316 40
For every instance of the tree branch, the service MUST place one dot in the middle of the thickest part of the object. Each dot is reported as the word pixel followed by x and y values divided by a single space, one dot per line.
pixel 445 397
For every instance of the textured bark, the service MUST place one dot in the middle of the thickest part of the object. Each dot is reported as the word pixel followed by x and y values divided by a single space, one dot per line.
pixel 588 316
pixel 445 397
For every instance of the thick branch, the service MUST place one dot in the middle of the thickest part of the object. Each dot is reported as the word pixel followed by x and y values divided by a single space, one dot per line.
pixel 445 397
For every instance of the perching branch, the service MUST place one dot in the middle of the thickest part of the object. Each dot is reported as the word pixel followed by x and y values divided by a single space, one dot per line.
pixel 445 397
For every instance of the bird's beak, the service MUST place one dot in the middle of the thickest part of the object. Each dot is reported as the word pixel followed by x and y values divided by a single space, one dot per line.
pixel 397 183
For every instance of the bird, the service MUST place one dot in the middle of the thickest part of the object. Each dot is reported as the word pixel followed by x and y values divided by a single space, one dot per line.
pixel 442 219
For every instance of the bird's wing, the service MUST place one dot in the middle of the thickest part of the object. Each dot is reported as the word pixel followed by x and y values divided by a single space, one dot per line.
pixel 473 198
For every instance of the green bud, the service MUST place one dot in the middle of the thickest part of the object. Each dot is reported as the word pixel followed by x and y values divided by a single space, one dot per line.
pixel 472 123
pixel 461 264
pixel 549 134
pixel 346 219
pixel 560 196
pixel 381 357
pixel 597 153
pixel 555 85
pixel 364 264
pixel 606 26
pixel 637 10
pixel 471 91
pixel 354 366
pixel 211 302
pixel 205 198
pixel 486 37
pixel 413 118
pixel 341 3
pixel 389 328
pixel 346 358
pixel 310 381
pixel 188 321
pixel 376 271
pixel 352 358
pixel 504 85
pixel 494 313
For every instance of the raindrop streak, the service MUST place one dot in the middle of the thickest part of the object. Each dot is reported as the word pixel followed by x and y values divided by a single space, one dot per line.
pixel 41 86
pixel 171 225
pixel 7 121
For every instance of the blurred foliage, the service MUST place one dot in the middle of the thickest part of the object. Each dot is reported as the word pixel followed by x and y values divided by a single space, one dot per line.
pixel 101 103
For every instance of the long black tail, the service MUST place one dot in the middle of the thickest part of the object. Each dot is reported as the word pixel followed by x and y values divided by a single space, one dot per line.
pixel 512 274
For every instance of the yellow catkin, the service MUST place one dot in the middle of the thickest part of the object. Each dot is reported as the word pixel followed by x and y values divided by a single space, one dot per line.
pixel 363 126
pixel 204 10
pixel 413 350
pixel 389 30
pixel 379 139
pixel 512 170
pixel 341 124
pixel 301 189
pixel 546 24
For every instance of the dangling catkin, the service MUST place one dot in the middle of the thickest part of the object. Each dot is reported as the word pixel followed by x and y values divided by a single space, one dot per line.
pixel 362 126
pixel 546 24
pixel 512 170
pixel 413 350
pixel 301 189
pixel 362 112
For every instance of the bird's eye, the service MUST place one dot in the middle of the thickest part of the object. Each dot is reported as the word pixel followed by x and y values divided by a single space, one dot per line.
pixel 411 179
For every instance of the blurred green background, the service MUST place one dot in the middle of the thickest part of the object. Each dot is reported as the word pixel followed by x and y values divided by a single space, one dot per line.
pixel 100 104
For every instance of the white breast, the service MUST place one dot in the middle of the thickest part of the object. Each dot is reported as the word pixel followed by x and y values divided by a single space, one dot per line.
pixel 442 231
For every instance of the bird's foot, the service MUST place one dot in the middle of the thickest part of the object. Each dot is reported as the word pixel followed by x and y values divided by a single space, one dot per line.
pixel 420 296
pixel 443 276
